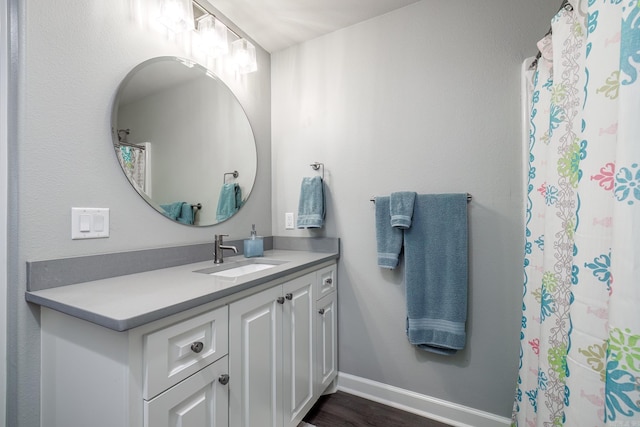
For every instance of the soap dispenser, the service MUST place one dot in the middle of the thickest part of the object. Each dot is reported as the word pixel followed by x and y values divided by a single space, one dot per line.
pixel 254 245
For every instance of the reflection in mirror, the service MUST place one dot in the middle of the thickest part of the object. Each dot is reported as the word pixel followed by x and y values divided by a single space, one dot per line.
pixel 183 141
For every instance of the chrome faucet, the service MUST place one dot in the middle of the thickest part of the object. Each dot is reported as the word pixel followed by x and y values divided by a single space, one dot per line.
pixel 218 248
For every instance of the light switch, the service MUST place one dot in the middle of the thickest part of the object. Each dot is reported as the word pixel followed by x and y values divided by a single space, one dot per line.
pixel 85 223
pixel 98 222
pixel 89 223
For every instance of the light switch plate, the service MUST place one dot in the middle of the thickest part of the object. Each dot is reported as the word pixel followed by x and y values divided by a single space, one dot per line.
pixel 89 223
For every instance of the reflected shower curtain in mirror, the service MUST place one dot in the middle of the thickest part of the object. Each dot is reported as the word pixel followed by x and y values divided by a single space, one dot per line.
pixel 133 162
pixel 580 336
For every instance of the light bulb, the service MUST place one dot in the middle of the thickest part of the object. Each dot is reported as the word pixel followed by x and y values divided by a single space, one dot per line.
pixel 176 15
pixel 213 37
pixel 243 54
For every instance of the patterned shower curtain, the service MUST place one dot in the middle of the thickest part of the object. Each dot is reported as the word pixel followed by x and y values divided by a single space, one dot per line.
pixel 580 336
pixel 133 163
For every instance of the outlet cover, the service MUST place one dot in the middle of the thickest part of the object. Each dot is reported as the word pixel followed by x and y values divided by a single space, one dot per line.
pixel 288 221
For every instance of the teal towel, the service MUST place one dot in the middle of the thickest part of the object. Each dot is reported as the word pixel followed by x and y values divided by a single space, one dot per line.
pixel 436 273
pixel 186 214
pixel 172 210
pixel 388 239
pixel 401 208
pixel 229 201
pixel 311 204
pixel 179 211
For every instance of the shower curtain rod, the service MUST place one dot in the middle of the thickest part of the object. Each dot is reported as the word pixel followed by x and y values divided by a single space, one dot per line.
pixel 565 5
pixel 129 144
pixel 122 139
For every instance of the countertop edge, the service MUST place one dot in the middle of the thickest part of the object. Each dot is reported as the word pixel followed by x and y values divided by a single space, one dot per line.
pixel 121 325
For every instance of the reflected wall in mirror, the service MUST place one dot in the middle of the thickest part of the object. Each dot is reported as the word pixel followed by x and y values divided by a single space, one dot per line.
pixel 180 134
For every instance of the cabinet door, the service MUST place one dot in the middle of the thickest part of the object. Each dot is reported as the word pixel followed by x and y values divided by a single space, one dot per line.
pixel 327 341
pixel 199 401
pixel 255 363
pixel 298 348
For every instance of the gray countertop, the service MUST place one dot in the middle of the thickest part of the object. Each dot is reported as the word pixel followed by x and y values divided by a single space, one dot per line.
pixel 125 302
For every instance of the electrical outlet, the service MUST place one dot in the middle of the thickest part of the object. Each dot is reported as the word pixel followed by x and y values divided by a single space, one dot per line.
pixel 288 221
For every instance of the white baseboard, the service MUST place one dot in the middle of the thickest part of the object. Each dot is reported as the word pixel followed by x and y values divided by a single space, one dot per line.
pixel 419 404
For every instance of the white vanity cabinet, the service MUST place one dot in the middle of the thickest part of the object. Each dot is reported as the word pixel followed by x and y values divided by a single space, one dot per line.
pixel 259 357
pixel 172 372
pixel 282 350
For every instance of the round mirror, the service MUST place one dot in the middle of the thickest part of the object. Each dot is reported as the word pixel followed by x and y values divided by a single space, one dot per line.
pixel 183 141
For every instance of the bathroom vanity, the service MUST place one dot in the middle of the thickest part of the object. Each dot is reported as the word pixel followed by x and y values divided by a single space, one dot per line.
pixel 244 346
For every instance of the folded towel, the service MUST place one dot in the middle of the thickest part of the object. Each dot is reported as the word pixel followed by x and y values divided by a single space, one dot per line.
pixel 436 273
pixel 401 207
pixel 311 204
pixel 229 201
pixel 179 211
pixel 388 239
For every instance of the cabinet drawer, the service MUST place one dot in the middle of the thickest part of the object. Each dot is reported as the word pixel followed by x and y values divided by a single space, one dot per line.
pixel 199 401
pixel 326 281
pixel 177 351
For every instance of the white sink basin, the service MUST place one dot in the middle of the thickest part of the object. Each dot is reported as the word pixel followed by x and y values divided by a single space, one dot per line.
pixel 240 268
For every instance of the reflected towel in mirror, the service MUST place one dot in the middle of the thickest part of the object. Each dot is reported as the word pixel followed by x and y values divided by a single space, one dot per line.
pixel 179 211
pixel 229 202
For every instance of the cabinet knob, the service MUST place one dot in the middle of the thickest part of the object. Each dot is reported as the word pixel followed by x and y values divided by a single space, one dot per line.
pixel 223 379
pixel 280 300
pixel 289 296
pixel 321 311
pixel 328 281
pixel 197 347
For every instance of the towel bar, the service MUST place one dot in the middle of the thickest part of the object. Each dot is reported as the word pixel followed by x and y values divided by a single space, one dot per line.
pixel 469 198
pixel 315 166
pixel 234 174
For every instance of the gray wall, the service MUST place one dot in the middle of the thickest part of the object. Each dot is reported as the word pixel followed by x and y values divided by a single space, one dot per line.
pixel 426 98
pixel 72 56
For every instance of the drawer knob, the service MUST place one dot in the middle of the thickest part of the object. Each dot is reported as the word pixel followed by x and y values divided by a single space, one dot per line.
pixel 223 379
pixel 289 296
pixel 328 281
pixel 197 347
pixel 280 300
pixel 321 311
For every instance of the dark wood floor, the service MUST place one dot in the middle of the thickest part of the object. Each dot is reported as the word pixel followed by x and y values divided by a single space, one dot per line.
pixel 346 410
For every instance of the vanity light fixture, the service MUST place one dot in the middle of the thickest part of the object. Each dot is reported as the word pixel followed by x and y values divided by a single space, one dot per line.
pixel 243 55
pixel 176 15
pixel 210 40
pixel 213 37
